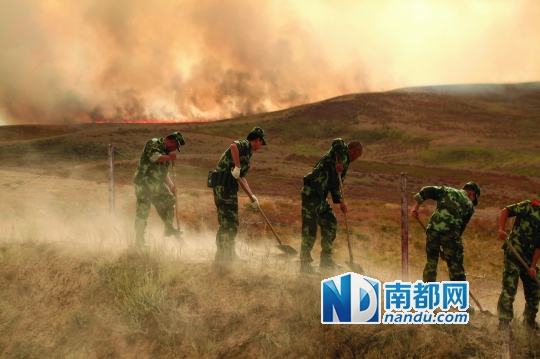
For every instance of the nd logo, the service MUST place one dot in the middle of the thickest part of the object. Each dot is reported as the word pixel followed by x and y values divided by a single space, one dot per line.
pixel 350 298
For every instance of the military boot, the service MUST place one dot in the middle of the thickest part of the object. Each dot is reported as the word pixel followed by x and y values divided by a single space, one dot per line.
pixel 328 262
pixel 228 254
pixel 307 268
pixel 171 231
pixel 504 324
pixel 531 324
pixel 139 240
pixel 237 259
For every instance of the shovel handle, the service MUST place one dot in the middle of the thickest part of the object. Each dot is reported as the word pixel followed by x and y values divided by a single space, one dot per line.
pixel 520 259
pixel 346 219
pixel 421 223
pixel 177 214
pixel 250 195
pixel 476 301
pixel 441 252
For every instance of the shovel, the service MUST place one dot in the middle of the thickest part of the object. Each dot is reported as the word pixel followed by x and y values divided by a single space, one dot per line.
pixel 176 212
pixel 443 257
pixel 283 247
pixel 520 259
pixel 441 252
pixel 355 267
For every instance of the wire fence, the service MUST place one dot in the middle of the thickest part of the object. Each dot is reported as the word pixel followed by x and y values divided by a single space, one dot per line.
pixel 382 234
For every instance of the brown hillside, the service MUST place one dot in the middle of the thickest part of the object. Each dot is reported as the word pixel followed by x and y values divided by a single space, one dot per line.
pixel 72 285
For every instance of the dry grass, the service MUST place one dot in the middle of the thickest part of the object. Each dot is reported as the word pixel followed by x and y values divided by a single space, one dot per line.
pixel 167 304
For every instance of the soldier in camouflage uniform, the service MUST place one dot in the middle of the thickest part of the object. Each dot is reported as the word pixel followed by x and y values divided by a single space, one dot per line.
pixel 525 236
pixel 153 185
pixel 455 207
pixel 233 165
pixel 316 211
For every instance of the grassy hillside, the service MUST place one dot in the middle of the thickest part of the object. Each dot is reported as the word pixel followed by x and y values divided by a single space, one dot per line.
pixel 73 287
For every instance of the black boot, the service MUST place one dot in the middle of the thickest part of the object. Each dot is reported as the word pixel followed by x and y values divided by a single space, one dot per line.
pixel 228 255
pixel 307 268
pixel 139 240
pixel 531 324
pixel 171 231
pixel 328 262
pixel 504 324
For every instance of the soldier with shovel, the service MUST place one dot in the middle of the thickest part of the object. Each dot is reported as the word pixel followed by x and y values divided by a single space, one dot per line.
pixel 455 207
pixel 154 186
pixel 316 211
pixel 519 251
pixel 234 163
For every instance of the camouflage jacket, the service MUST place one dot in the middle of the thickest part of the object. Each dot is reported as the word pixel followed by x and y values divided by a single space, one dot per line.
pixel 454 209
pixel 323 178
pixel 525 235
pixel 149 172
pixel 226 182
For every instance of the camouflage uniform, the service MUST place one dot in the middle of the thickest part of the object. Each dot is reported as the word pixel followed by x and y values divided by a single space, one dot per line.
pixel 226 198
pixel 150 188
pixel 445 227
pixel 316 211
pixel 525 236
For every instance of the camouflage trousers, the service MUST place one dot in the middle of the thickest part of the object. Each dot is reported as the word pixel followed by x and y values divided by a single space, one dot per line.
pixel 512 271
pixel 316 212
pixel 227 213
pixel 453 251
pixel 163 201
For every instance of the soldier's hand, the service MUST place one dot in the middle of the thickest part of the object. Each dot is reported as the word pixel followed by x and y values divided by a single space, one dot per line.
pixel 174 190
pixel 236 172
pixel 339 167
pixel 172 156
pixel 502 235
pixel 532 272
pixel 414 213
pixel 442 255
pixel 255 202
pixel 343 207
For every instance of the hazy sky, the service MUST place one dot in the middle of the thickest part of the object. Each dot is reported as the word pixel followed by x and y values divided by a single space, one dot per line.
pixel 69 61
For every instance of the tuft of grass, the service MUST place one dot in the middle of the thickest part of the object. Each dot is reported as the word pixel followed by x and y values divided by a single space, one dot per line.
pixel 138 288
pixel 80 318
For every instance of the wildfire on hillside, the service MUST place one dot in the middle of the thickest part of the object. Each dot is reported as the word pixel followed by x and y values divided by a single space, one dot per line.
pixel 146 121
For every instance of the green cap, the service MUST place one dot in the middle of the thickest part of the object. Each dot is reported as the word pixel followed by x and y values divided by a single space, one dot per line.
pixel 259 131
pixel 476 190
pixel 179 139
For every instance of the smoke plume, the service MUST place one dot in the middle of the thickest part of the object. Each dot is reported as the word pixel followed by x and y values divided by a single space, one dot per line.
pixel 101 60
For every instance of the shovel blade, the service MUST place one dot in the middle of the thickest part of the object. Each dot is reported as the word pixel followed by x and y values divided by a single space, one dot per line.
pixel 290 251
pixel 355 267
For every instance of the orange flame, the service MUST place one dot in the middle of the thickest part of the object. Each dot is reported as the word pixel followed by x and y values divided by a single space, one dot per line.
pixel 146 121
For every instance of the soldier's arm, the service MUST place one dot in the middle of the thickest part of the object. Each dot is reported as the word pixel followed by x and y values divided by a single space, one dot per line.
pixel 465 222
pixel 170 184
pixel 335 191
pixel 431 192
pixel 165 158
pixel 536 255
pixel 235 152
pixel 502 224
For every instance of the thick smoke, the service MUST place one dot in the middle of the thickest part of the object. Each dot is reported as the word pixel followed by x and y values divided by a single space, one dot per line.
pixel 102 60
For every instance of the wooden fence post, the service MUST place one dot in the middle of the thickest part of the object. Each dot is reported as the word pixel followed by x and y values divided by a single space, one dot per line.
pixel 111 177
pixel 404 229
